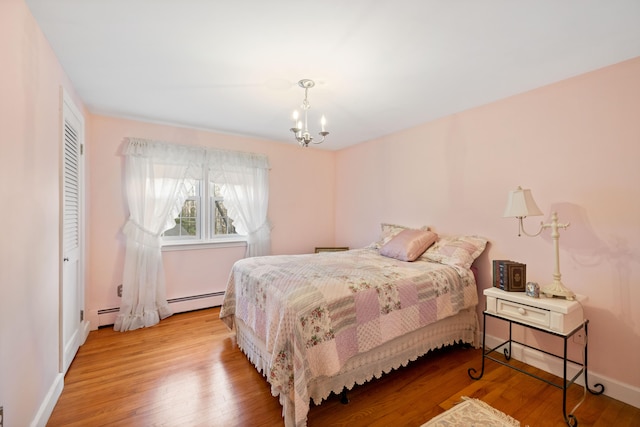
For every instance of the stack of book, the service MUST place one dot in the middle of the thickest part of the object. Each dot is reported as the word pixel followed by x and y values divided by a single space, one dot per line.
pixel 509 275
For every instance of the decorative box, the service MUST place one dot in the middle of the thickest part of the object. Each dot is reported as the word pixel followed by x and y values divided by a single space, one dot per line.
pixel 509 275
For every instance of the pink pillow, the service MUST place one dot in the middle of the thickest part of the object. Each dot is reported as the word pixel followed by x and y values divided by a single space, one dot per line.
pixel 389 231
pixel 409 244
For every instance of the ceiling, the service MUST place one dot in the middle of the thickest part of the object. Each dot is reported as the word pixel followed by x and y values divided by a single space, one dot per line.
pixel 379 66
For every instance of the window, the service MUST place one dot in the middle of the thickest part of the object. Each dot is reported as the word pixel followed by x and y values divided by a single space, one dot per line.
pixel 188 225
pixel 222 225
pixel 203 218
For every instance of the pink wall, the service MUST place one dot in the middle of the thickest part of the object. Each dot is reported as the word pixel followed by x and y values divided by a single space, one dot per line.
pixel 30 84
pixel 575 144
pixel 301 208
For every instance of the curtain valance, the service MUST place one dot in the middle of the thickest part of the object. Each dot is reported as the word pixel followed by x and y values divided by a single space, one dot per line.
pixel 188 154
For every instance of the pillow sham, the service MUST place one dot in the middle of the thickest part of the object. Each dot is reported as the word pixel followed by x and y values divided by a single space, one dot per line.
pixel 456 250
pixel 408 244
pixel 389 231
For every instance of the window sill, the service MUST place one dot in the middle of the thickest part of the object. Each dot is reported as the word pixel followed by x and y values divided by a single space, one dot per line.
pixel 190 246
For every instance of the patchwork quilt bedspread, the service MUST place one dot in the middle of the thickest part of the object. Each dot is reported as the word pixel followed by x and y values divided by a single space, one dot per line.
pixel 313 312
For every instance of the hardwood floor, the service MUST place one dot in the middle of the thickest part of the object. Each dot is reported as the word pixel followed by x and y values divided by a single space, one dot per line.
pixel 187 371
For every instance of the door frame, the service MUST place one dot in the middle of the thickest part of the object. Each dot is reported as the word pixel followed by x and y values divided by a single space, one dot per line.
pixel 68 109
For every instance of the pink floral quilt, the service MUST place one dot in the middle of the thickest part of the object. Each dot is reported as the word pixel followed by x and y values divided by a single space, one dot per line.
pixel 313 312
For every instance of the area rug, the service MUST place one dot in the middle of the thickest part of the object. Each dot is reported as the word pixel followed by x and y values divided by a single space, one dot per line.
pixel 472 412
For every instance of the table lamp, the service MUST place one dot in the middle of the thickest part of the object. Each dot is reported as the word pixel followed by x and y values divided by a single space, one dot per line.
pixel 520 204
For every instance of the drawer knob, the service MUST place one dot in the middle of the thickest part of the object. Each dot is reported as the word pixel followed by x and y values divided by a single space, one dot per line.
pixel 522 310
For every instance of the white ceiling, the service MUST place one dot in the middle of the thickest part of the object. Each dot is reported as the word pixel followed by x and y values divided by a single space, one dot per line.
pixel 379 66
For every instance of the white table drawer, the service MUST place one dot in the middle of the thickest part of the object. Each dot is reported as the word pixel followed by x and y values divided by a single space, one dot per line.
pixel 553 314
pixel 525 313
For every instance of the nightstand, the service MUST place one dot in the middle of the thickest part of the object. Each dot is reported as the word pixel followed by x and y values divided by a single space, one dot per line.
pixel 554 316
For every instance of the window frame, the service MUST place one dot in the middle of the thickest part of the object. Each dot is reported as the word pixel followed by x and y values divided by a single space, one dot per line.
pixel 197 198
pixel 204 238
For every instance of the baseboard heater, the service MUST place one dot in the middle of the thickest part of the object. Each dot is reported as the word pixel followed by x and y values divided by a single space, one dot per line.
pixel 196 297
pixel 107 316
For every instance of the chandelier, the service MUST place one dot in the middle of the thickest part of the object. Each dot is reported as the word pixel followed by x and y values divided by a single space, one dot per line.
pixel 302 135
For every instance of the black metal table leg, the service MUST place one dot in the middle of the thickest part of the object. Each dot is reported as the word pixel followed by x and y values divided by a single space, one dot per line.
pixel 472 371
pixel 570 419
pixel 507 350
pixel 586 353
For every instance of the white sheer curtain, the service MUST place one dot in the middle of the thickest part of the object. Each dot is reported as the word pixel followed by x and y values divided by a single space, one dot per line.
pixel 157 180
pixel 156 187
pixel 244 179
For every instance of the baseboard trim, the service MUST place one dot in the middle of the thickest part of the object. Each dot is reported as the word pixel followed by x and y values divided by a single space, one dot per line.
pixel 49 402
pixel 107 316
pixel 86 328
pixel 615 389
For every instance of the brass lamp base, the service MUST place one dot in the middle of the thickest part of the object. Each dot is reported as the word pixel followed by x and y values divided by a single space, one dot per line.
pixel 557 289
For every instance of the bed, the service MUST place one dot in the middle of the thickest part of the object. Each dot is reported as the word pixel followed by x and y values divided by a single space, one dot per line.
pixel 315 324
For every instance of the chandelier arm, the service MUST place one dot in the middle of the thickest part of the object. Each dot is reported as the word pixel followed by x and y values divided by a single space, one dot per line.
pixel 320 141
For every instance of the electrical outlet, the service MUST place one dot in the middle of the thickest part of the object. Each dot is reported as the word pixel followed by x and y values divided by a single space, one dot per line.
pixel 119 294
pixel 579 338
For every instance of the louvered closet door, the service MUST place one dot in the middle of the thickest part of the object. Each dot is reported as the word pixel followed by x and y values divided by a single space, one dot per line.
pixel 72 283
